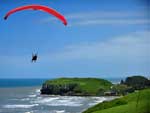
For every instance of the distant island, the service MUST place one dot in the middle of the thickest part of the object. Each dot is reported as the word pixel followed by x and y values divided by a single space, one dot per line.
pixel 93 86
pixel 76 86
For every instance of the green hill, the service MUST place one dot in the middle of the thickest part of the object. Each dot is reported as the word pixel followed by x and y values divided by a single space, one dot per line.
pixel 138 102
pixel 75 86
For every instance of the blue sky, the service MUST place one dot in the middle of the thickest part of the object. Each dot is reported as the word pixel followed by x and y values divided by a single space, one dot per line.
pixel 104 38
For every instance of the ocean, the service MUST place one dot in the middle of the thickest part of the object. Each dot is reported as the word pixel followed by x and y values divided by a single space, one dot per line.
pixel 23 96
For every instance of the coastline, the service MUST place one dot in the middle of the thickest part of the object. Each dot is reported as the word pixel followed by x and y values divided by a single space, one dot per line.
pixel 28 99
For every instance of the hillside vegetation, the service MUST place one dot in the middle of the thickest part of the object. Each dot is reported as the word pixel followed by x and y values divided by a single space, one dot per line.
pixel 76 86
pixel 138 102
pixel 137 82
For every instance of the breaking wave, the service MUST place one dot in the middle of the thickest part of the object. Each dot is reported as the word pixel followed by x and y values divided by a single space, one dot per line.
pixel 20 106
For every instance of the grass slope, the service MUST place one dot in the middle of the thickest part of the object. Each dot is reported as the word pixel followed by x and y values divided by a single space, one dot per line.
pixel 126 104
pixel 89 85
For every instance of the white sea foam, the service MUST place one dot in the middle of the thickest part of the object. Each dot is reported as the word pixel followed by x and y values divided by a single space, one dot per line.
pixel 25 99
pixel 97 100
pixel 29 112
pixel 15 99
pixel 60 101
pixel 44 100
pixel 62 104
pixel 60 111
pixel 37 90
pixel 72 101
pixel 92 104
pixel 20 106
pixel 65 103
pixel 31 96
pixel 100 99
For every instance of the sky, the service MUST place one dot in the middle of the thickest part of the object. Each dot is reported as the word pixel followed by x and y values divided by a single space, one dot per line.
pixel 103 38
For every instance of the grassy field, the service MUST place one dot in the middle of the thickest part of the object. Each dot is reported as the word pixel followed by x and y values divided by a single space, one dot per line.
pixel 90 85
pixel 138 102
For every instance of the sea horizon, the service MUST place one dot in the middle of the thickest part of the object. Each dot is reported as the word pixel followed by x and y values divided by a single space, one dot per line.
pixel 31 82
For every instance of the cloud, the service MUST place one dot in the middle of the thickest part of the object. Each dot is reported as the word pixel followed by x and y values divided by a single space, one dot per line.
pixel 131 47
pixel 111 22
pixel 104 14
pixel 104 17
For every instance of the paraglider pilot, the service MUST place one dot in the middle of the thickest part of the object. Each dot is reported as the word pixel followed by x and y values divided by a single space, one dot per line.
pixel 34 57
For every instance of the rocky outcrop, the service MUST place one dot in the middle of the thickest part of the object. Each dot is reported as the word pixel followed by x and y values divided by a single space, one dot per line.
pixel 75 86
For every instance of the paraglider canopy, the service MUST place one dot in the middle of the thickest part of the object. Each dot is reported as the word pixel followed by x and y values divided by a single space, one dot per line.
pixel 38 7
